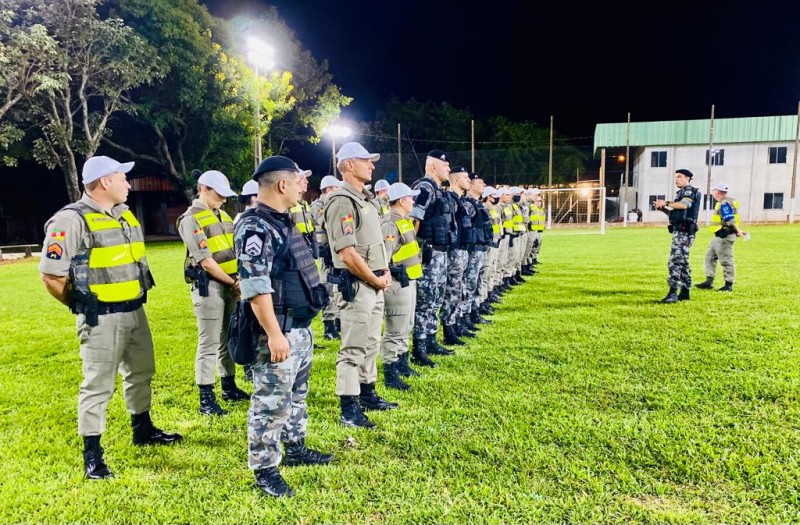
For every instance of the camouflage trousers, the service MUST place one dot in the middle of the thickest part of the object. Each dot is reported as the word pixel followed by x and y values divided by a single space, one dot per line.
pixel 430 296
pixel 680 275
pixel 470 300
pixel 278 411
pixel 453 293
pixel 721 250
pixel 330 312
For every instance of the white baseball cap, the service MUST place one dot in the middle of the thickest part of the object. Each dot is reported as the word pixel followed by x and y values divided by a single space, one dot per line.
pixel 328 181
pixel 354 150
pixel 515 190
pixel 218 182
pixel 534 191
pixel 382 184
pixel 250 188
pixel 398 190
pixel 721 186
pixel 96 167
pixel 488 191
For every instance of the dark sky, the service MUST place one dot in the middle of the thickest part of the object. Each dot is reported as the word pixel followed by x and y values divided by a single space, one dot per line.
pixel 583 63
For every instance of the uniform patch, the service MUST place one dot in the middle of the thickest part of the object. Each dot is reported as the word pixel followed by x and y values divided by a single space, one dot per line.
pixel 203 244
pixel 347 224
pixel 58 235
pixel 390 238
pixel 198 231
pixel 55 251
pixel 254 243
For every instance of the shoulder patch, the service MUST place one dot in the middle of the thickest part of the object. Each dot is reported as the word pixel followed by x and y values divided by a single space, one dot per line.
pixel 254 242
pixel 58 235
pixel 203 244
pixel 55 251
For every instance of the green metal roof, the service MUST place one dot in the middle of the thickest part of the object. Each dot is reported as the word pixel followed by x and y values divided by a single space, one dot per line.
pixel 781 128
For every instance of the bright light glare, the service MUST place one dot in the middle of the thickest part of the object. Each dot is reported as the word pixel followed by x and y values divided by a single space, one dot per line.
pixel 260 61
pixel 586 192
pixel 337 131
pixel 256 45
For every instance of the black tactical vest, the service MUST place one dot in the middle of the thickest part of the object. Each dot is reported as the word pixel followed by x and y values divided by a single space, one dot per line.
pixel 436 225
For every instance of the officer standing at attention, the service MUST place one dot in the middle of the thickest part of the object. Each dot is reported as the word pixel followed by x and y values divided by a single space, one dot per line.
pixel 683 227
pixel 362 267
pixel 210 265
pixel 381 200
pixel 401 297
pixel 281 284
pixel 434 223
pixel 330 314
pixel 301 214
pixel 725 224
pixel 487 294
pixel 93 261
pixel 247 198
pixel 482 224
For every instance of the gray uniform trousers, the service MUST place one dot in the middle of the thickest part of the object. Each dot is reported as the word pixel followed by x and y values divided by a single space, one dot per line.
pixel 361 338
pixel 487 278
pixel 502 257
pixel 213 315
pixel 399 307
pixel 721 249
pixel 120 342
pixel 430 296
pixel 278 411
pixel 527 258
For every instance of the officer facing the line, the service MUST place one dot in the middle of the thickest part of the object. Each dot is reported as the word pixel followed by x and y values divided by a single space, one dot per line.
pixel 725 224
pixel 362 267
pixel 281 283
pixel 93 261
pixel 210 265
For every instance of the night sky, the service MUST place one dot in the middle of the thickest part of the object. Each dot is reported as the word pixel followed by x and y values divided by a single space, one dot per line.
pixel 583 64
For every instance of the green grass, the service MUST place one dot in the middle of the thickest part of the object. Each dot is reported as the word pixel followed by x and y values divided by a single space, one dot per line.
pixel 585 401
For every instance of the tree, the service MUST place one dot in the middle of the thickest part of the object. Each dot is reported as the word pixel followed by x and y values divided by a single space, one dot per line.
pixel 102 60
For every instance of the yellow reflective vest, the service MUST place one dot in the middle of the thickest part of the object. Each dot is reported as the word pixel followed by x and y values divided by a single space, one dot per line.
pixel 716 218
pixel 219 233
pixel 407 252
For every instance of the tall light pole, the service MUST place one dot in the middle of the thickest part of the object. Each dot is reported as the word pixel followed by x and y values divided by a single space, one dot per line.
pixel 262 56
pixel 335 131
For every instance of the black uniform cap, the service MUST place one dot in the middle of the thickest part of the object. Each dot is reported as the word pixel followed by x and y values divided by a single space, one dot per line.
pixel 439 154
pixel 685 172
pixel 275 163
pixel 458 169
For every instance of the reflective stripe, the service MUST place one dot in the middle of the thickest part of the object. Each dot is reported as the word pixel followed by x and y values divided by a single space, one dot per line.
pixel 716 218
pixel 408 252
pixel 301 215
pixel 219 233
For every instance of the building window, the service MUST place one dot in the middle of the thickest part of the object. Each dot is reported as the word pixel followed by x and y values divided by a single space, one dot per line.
pixel 718 157
pixel 658 159
pixel 777 154
pixel 773 201
pixel 654 198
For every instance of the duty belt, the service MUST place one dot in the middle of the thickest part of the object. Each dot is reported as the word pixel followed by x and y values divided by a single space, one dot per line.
pixel 113 308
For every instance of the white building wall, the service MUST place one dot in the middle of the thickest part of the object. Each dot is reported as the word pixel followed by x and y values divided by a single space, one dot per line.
pixel 746 170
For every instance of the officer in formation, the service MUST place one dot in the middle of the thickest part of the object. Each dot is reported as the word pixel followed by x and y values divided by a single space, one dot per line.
pixel 281 283
pixel 507 249
pixel 381 200
pixel 682 214
pixel 538 218
pixel 489 277
pixel 361 266
pixel 461 241
pixel 210 266
pixel 725 224
pixel 330 314
pixel 247 198
pixel 400 298
pixel 434 225
pixel 479 251
pixel 93 261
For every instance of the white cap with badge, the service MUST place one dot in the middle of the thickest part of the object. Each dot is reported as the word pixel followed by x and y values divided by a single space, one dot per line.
pixel 354 150
pixel 218 182
pixel 102 166
pixel 398 190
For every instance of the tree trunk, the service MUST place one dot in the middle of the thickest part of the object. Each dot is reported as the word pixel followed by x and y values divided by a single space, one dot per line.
pixel 71 175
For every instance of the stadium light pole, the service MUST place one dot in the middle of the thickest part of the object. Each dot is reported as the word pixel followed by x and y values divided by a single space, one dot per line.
pixel 262 56
pixel 335 131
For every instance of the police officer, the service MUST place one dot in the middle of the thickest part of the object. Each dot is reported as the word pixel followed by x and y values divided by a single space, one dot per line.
pixel 381 200
pixel 400 298
pixel 725 224
pixel 247 198
pixel 434 223
pixel 509 238
pixel 682 214
pixel 482 227
pixel 457 258
pixel 538 218
pixel 281 283
pixel 330 314
pixel 301 214
pixel 486 293
pixel 93 261
pixel 362 266
pixel 210 265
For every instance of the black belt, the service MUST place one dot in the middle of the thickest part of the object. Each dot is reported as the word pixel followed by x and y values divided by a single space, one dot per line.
pixel 440 247
pixel 379 273
pixel 113 308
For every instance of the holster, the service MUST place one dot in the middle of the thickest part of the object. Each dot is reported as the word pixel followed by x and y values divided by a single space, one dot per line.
pixel 84 303
pixel 346 282
pixel 198 276
pixel 399 274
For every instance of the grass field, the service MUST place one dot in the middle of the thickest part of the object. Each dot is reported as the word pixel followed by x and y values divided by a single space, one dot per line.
pixel 585 401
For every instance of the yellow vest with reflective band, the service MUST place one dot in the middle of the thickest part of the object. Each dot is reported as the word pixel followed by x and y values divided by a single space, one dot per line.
pixel 716 218
pixel 408 252
pixel 220 237
pixel 508 218
pixel 301 215
pixel 537 218
pixel 495 215
pixel 116 256
pixel 518 221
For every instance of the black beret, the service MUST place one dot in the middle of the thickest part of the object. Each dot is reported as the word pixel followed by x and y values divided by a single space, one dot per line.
pixel 475 176
pixel 458 169
pixel 685 172
pixel 275 163
pixel 439 154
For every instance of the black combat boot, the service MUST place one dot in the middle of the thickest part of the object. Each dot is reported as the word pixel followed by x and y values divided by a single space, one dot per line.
pixel 683 295
pixel 330 330
pixel 370 400
pixel 727 287
pixel 494 297
pixel 419 353
pixel 469 326
pixel 352 415
pixel 451 336
pixel 434 348
pixel 338 325
pixel 208 402
pixel 391 377
pixel 298 454
pixel 476 318
pixel 271 483
pixel 93 464
pixel 671 297
pixel 231 392
pixel 145 433
pixel 404 368
pixel 519 278
pixel 527 269
pixel 486 308
pixel 506 286
pixel 248 373
pixel 706 285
